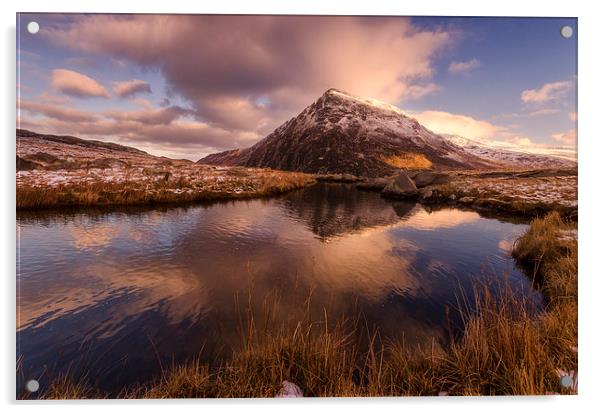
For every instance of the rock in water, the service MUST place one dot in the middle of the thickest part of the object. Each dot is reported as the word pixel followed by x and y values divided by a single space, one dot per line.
pixel 422 179
pixel 289 390
pixel 401 187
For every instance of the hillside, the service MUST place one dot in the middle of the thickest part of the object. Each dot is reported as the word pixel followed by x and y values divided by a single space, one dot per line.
pixel 57 171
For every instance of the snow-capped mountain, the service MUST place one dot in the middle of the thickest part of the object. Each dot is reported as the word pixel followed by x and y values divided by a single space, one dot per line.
pixel 508 158
pixel 342 133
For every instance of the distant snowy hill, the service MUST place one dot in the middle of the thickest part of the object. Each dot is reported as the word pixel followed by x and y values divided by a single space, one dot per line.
pixel 511 158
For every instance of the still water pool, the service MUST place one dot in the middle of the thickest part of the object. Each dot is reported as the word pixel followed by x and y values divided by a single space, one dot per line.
pixel 124 292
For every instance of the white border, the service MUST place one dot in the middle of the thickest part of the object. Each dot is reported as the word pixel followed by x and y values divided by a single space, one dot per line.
pixel 590 152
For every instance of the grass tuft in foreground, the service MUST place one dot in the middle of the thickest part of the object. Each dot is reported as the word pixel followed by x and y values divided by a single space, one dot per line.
pixel 549 251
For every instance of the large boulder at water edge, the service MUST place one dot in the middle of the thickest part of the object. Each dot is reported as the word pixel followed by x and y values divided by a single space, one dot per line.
pixel 426 178
pixel 402 187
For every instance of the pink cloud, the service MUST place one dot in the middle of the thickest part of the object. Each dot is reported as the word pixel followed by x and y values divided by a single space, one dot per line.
pixel 54 111
pixel 568 138
pixel 131 87
pixel 77 84
pixel 456 124
pixel 418 91
pixel 152 116
pixel 461 67
pixel 543 112
pixel 288 60
pixel 47 97
pixel 548 92
pixel 143 103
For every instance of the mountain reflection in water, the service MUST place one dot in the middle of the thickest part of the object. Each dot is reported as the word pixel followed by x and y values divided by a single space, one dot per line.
pixel 119 291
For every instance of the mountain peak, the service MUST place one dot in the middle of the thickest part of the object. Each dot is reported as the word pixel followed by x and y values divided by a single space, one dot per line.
pixel 334 91
pixel 338 94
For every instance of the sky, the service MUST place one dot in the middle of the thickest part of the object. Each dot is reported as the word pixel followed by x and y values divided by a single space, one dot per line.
pixel 185 86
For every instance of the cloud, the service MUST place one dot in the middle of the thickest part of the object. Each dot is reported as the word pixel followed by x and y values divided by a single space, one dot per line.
pixel 180 139
pixel 568 138
pixel 160 131
pixel 46 97
pixel 54 111
pixel 547 93
pixel 149 115
pixel 517 141
pixel 573 116
pixel 131 87
pixel 528 111
pixel 77 84
pixel 461 67
pixel 418 91
pixel 144 103
pixel 455 124
pixel 543 112
pixel 287 60
pixel 498 136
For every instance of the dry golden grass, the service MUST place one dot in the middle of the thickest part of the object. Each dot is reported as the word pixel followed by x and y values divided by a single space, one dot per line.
pixel 64 388
pixel 164 190
pixel 505 349
pixel 549 251
pixel 408 161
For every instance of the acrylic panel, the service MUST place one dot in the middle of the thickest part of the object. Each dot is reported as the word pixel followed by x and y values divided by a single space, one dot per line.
pixel 295 206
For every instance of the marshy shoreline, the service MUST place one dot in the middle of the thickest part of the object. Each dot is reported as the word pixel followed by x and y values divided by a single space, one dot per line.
pixel 527 194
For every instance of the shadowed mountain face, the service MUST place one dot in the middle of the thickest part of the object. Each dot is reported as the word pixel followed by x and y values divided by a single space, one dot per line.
pixel 341 133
